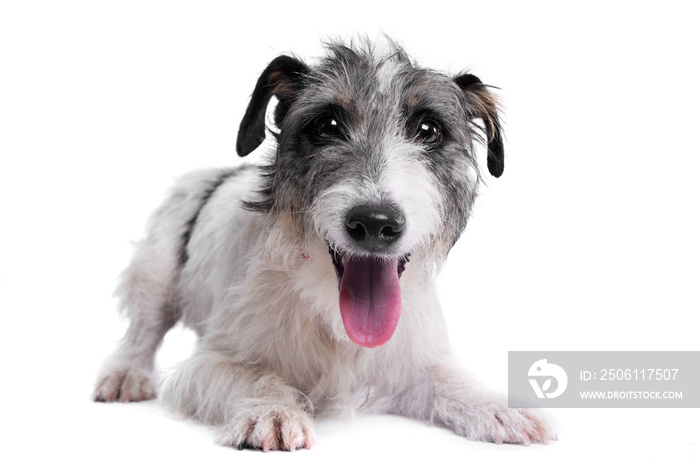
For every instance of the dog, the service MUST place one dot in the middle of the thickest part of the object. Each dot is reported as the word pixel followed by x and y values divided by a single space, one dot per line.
pixel 308 278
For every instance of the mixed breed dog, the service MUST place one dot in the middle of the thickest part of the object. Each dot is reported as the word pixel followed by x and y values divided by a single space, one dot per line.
pixel 309 279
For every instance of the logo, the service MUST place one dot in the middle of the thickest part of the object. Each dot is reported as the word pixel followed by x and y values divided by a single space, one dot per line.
pixel 544 371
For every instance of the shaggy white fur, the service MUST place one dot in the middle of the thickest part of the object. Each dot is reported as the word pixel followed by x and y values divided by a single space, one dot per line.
pixel 273 348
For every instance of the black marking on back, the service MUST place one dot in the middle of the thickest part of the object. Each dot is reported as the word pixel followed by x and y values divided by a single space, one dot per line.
pixel 189 228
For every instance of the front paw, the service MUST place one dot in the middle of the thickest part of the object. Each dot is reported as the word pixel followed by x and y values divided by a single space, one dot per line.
pixel 269 426
pixel 125 384
pixel 496 422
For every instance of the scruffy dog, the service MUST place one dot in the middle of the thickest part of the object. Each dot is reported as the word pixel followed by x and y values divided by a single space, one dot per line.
pixel 296 274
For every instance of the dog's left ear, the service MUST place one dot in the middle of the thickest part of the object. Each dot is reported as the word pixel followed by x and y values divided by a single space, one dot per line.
pixel 482 104
pixel 282 78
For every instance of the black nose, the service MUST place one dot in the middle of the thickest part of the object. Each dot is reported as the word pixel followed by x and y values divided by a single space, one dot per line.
pixel 375 227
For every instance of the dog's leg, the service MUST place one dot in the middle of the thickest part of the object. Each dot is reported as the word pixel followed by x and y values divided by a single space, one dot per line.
pixel 252 407
pixel 146 296
pixel 445 396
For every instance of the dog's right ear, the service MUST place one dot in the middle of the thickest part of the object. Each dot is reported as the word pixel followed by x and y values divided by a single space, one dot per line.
pixel 282 78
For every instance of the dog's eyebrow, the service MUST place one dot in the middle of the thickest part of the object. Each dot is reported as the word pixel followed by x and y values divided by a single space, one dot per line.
pixel 330 108
pixel 430 100
pixel 426 90
pixel 414 100
pixel 424 111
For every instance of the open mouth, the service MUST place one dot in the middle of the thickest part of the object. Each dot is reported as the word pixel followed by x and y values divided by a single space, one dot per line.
pixel 370 296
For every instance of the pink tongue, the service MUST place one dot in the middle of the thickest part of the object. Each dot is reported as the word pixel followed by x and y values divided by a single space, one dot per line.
pixel 370 300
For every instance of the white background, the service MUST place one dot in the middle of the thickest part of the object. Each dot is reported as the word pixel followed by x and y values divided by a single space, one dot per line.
pixel 589 241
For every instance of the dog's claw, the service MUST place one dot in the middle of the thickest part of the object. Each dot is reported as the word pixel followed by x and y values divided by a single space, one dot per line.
pixel 267 428
pixel 125 385
pixel 500 424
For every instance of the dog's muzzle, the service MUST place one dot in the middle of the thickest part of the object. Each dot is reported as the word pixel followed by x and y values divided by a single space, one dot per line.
pixel 370 293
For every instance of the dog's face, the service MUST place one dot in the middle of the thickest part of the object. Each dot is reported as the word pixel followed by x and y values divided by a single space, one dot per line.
pixel 374 158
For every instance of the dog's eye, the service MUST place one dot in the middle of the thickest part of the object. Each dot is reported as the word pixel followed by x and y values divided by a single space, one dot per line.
pixel 324 128
pixel 428 132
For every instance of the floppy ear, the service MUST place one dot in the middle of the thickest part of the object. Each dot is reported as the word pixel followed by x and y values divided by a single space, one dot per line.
pixel 482 104
pixel 282 78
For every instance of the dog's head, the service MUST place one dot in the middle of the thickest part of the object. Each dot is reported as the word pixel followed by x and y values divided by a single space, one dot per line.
pixel 375 158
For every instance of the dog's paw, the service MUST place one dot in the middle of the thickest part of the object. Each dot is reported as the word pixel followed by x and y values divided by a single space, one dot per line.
pixel 125 385
pixel 269 427
pixel 496 422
